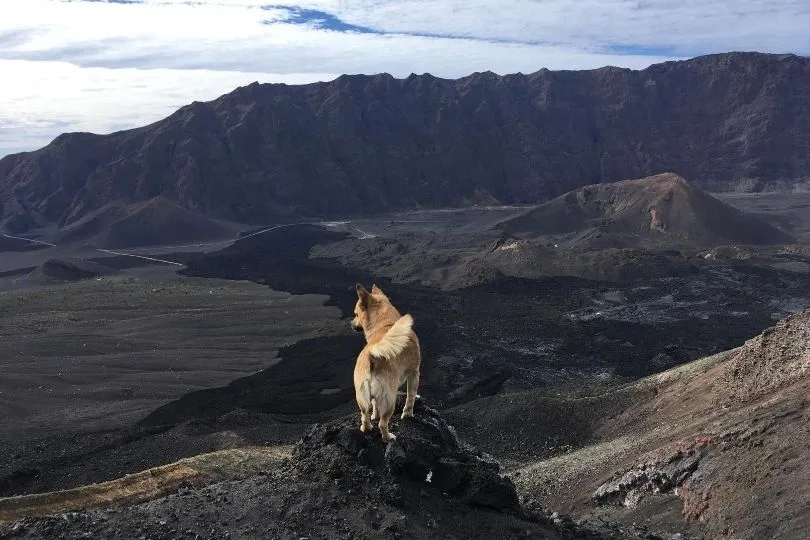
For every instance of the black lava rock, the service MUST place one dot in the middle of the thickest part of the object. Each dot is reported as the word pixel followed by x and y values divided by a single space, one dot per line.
pixel 427 454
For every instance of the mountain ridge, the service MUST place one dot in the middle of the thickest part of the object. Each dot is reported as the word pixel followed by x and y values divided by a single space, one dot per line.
pixel 365 143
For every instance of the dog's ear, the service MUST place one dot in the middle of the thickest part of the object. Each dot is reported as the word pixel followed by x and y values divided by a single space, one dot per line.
pixel 362 294
pixel 376 290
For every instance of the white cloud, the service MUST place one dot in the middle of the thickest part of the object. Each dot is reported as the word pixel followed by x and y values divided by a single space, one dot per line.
pixel 217 36
pixel 40 100
pixel 70 65
pixel 688 27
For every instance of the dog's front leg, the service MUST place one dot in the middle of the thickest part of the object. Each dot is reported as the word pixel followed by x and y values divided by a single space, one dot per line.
pixel 374 414
pixel 413 387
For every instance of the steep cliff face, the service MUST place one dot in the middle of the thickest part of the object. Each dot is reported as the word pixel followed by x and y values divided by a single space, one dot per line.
pixel 371 143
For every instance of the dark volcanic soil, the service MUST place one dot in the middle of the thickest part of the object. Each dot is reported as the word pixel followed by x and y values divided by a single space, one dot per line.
pixel 559 335
pixel 82 362
pixel 550 323
pixel 168 371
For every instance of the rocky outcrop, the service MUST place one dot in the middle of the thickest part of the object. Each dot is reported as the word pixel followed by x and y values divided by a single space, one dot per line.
pixel 736 121
pixel 655 476
pixel 777 357
pixel 427 454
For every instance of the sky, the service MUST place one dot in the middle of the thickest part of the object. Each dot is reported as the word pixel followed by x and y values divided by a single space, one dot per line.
pixel 107 65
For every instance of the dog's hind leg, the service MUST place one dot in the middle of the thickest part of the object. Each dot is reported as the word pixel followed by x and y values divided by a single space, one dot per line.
pixel 386 410
pixel 413 386
pixel 364 402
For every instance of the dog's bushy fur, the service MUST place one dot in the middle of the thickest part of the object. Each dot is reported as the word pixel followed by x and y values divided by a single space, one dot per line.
pixel 390 358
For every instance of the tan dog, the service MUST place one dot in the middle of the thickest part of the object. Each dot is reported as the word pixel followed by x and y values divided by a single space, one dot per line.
pixel 390 358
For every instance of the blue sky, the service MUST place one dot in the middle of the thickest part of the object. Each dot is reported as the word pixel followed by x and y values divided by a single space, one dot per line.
pixel 82 65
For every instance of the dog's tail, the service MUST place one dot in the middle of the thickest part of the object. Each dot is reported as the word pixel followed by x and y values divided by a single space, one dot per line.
pixel 393 342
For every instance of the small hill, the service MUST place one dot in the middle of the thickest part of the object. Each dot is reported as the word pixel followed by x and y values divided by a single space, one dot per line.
pixel 158 221
pixel 66 270
pixel 660 208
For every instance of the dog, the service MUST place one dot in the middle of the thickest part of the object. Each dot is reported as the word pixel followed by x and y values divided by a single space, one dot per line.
pixel 390 358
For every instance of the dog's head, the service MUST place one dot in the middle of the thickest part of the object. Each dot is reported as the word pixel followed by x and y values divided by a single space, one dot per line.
pixel 367 304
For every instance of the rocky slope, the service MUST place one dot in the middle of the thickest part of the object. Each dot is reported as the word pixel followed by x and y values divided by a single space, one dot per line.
pixel 736 121
pixel 717 447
